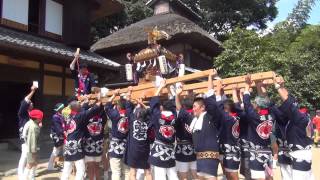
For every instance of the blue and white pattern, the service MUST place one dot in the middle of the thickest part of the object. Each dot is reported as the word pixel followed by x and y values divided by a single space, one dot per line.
pixel 163 152
pixel 260 154
pixel 231 152
pixel 72 147
pixel 140 130
pixel 117 147
pixel 92 146
pixel 56 139
pixel 185 149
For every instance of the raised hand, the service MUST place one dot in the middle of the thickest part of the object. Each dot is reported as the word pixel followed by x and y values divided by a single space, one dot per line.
pixel 248 82
pixel 91 102
pixel 241 91
pixel 265 82
pixel 163 83
pixel 116 92
pixel 179 90
pixel 279 86
pixel 235 91
pixel 261 88
pixel 235 87
pixel 143 95
pixel 279 80
pixel 85 98
pixel 77 53
pixel 259 83
pixel 213 73
pixel 248 79
pixel 219 85
pixel 129 56
pixel 140 100
pixel 75 59
pixel 34 88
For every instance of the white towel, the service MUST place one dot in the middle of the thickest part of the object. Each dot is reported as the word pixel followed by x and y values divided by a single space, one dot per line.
pixel 166 113
pixel 196 123
pixel 209 93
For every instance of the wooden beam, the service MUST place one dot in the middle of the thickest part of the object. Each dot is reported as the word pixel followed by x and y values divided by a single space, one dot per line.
pixel 147 90
pixel 202 87
pixel 189 77
pixel 228 88
pixel 230 82
pixel 254 77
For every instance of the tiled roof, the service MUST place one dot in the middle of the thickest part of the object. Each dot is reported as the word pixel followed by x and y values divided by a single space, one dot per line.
pixel 40 44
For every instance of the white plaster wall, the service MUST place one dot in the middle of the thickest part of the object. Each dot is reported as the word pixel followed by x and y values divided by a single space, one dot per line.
pixel 54 14
pixel 16 10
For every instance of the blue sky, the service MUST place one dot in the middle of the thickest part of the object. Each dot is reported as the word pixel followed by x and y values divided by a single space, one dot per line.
pixel 285 7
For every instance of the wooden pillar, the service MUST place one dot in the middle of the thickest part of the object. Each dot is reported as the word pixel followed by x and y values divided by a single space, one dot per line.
pixel 40 93
pixel 64 82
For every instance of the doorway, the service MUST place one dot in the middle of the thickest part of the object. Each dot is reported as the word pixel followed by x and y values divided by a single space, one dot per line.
pixel 11 95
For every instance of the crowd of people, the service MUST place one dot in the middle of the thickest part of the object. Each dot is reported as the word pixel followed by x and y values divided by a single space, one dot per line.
pixel 180 136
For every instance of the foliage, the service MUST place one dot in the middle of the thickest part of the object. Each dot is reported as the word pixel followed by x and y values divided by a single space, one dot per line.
pixel 297 19
pixel 222 16
pixel 218 16
pixel 292 50
pixel 303 66
pixel 245 52
pixel 295 56
pixel 134 11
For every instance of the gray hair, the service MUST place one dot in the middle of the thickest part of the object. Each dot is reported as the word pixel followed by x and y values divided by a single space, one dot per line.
pixel 74 104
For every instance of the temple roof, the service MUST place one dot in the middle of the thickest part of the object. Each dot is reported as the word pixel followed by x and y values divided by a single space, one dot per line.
pixel 179 28
pixel 13 39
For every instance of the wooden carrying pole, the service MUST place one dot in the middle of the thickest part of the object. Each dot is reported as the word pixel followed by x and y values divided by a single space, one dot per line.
pixel 147 90
pixel 149 86
pixel 229 83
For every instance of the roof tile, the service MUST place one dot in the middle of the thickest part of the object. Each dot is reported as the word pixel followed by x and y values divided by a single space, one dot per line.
pixel 51 47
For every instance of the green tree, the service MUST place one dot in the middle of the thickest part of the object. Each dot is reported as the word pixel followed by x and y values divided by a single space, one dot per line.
pixel 299 16
pixel 292 50
pixel 302 61
pixel 246 52
pixel 294 56
pixel 222 16
pixel 218 16
pixel 134 11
